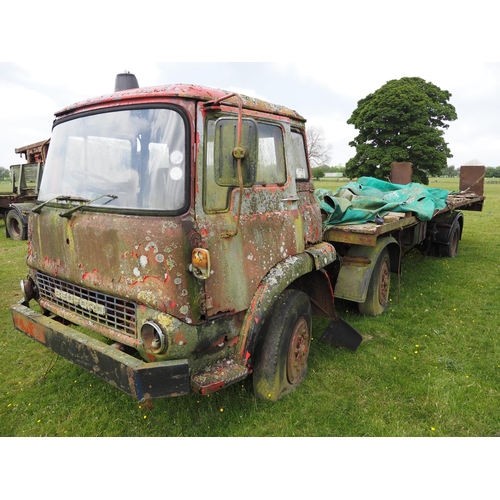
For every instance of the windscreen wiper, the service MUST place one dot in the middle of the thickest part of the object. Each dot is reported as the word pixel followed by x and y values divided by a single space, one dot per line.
pixel 38 208
pixel 86 203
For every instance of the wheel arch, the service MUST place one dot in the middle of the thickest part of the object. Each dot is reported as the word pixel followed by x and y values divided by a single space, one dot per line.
pixel 303 272
pixel 357 268
pixel 444 224
pixel 441 234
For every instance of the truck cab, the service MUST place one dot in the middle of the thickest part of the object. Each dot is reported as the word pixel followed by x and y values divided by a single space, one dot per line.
pixel 173 225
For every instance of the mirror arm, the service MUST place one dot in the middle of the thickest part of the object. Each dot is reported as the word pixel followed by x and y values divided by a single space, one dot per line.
pixel 239 152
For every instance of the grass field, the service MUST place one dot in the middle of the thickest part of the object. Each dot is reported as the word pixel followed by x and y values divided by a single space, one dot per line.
pixel 429 366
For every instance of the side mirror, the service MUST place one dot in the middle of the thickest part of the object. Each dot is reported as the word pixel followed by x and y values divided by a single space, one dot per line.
pixel 227 153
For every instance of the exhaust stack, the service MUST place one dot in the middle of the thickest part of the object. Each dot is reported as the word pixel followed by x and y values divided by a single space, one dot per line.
pixel 125 81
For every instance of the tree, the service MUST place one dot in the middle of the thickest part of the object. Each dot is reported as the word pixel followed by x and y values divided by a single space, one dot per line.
pixel 492 172
pixel 318 173
pixel 4 174
pixel 317 148
pixel 404 120
pixel 450 171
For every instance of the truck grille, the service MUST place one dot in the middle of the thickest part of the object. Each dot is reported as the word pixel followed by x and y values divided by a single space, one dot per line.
pixel 103 309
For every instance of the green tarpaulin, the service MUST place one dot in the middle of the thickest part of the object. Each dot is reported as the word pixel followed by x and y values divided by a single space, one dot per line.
pixel 363 200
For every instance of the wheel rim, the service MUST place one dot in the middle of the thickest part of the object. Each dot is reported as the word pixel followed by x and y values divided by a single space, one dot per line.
pixel 298 351
pixel 384 284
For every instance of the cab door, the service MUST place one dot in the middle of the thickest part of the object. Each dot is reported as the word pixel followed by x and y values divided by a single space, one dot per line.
pixel 248 219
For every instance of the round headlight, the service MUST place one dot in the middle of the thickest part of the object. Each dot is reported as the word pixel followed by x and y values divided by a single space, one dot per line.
pixel 153 338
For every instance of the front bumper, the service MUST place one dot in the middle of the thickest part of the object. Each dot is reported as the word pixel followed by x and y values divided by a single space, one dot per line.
pixel 135 377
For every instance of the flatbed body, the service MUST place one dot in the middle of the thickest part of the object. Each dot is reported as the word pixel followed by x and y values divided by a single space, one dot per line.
pixel 368 233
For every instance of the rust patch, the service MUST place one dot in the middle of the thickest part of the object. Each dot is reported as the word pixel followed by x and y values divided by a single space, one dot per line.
pixel 33 330
pixel 179 338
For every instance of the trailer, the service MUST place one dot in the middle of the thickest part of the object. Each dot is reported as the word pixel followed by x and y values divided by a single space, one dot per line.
pixel 25 184
pixel 369 252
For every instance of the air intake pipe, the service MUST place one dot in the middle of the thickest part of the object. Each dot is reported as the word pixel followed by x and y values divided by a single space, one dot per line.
pixel 125 81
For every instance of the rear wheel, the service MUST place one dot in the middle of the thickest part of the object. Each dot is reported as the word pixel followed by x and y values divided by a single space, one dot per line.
pixel 378 289
pixel 281 364
pixel 15 226
pixel 451 248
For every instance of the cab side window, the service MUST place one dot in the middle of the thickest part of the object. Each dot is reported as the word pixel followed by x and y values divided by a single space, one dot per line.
pixel 299 166
pixel 264 162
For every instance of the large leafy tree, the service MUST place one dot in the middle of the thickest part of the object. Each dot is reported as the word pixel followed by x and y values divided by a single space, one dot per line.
pixel 404 120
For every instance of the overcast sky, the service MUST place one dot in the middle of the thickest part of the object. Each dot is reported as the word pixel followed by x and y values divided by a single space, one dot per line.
pixel 30 93
pixel 341 55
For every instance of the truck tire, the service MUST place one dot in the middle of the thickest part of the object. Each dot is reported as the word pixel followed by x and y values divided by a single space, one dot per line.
pixel 15 226
pixel 281 364
pixel 378 289
pixel 451 248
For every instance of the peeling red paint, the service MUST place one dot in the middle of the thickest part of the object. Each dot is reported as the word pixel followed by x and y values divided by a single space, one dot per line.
pixel 233 342
pixel 89 275
pixel 155 278
pixel 29 328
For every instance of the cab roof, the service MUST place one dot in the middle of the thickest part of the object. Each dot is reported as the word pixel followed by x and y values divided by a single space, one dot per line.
pixel 145 95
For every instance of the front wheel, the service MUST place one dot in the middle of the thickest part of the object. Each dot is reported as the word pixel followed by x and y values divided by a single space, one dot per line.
pixel 378 289
pixel 281 362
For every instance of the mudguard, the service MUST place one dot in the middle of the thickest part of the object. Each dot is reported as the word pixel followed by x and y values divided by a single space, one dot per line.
pixel 271 287
pixel 21 211
pixel 357 268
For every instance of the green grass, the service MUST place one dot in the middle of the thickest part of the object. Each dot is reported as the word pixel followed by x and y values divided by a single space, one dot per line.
pixel 429 366
pixel 5 186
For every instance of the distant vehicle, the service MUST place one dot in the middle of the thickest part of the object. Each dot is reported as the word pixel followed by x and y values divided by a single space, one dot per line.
pixel 25 184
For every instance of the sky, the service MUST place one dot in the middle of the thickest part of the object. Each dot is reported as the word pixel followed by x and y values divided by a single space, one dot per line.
pixel 32 91
pixel 318 61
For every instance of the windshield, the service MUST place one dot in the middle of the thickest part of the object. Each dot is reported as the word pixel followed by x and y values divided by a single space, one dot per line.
pixel 134 159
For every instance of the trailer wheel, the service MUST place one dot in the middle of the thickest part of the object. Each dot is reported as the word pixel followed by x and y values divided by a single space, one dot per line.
pixel 281 362
pixel 378 289
pixel 15 226
pixel 451 249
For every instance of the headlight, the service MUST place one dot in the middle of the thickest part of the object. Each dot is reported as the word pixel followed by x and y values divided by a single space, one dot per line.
pixel 29 289
pixel 153 338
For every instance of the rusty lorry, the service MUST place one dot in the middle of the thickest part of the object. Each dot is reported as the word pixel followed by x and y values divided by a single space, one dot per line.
pixel 25 183
pixel 178 245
